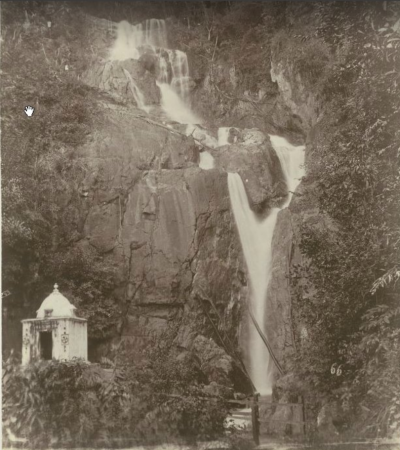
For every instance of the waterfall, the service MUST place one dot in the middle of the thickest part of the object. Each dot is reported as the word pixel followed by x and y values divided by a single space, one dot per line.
pixel 256 239
pixel 173 79
pixel 132 39
pixel 137 93
pixel 206 161
pixel 174 107
pixel 223 135
pixel 256 234
pixel 292 163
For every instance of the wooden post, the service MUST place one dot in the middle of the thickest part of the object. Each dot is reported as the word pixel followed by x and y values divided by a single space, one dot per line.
pixel 304 415
pixel 255 419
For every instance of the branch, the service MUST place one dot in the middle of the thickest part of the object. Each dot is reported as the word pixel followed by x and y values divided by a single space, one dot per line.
pixel 391 276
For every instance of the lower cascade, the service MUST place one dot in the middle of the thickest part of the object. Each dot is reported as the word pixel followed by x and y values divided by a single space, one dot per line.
pixel 256 238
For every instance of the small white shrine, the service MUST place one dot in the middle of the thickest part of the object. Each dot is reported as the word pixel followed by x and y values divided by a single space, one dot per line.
pixel 56 333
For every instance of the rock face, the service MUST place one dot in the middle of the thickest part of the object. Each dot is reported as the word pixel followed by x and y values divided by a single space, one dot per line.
pixel 166 227
pixel 111 76
pixel 297 97
pixel 280 326
pixel 218 94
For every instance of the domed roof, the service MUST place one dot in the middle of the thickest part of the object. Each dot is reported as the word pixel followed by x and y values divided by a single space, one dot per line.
pixel 56 305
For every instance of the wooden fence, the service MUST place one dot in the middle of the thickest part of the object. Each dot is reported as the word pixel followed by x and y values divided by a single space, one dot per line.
pixel 254 403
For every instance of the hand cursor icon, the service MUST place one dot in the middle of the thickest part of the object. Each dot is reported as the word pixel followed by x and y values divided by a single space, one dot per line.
pixel 29 110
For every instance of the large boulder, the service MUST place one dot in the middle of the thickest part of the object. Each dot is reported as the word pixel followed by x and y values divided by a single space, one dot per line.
pixel 259 167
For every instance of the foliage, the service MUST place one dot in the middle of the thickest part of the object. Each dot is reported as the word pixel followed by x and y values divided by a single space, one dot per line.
pixel 353 179
pixel 391 276
pixel 173 390
pixel 62 402
pixel 41 168
pixel 240 440
pixel 377 381
pixel 310 59
pixel 72 402
pixel 88 282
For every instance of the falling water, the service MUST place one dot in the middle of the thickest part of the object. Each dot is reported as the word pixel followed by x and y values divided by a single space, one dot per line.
pixel 292 163
pixel 174 107
pixel 132 40
pixel 256 239
pixel 223 135
pixel 206 161
pixel 137 93
pixel 173 82
pixel 150 37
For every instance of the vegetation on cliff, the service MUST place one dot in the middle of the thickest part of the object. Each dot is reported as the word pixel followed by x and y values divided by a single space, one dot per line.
pixel 41 168
pixel 350 302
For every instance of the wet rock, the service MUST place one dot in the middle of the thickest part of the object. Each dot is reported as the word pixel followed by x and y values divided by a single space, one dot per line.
pixel 110 76
pixel 253 137
pixel 286 254
pixel 166 228
pixel 300 99
pixel 150 63
pixel 260 169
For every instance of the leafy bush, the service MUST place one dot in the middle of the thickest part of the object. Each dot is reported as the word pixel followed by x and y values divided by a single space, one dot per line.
pixel 159 399
pixel 173 391
pixel 60 402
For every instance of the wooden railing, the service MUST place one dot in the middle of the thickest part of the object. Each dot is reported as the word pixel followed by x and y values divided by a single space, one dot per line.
pixel 254 404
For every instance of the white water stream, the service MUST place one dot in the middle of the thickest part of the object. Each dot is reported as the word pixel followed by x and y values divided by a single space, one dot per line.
pixel 150 37
pixel 223 134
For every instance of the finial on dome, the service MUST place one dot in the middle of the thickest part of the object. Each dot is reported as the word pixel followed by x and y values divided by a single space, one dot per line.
pixel 55 288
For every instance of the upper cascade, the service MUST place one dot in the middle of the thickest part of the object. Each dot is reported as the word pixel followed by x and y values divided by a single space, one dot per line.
pixel 133 39
pixel 150 37
pixel 256 237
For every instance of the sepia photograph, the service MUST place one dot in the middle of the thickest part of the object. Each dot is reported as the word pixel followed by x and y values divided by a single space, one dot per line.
pixel 200 225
